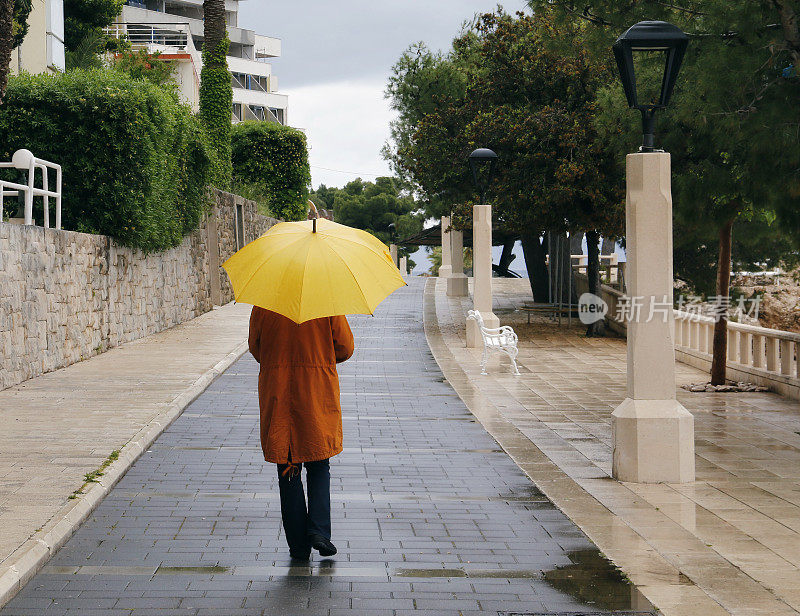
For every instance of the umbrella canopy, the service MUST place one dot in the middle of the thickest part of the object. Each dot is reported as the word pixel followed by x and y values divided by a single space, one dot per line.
pixel 314 268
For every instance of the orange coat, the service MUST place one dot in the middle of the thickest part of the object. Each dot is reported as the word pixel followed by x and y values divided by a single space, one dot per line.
pixel 298 387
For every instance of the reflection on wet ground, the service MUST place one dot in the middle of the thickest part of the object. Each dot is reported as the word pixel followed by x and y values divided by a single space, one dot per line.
pixel 592 579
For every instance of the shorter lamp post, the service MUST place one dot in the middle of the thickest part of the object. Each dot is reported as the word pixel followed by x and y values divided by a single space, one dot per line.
pixel 446 268
pixel 653 434
pixel 482 163
pixel 392 240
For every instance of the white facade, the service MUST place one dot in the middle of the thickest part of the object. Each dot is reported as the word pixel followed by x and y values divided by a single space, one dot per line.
pixel 42 50
pixel 175 28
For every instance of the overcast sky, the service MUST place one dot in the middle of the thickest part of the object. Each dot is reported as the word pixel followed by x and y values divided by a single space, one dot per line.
pixel 336 59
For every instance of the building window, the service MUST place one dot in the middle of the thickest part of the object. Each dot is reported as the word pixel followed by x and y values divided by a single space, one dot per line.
pixel 278 113
pixel 237 112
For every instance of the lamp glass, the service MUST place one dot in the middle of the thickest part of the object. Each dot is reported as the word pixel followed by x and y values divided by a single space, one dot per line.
pixel 648 67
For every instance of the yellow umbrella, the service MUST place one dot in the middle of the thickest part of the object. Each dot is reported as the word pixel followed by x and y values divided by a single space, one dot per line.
pixel 310 269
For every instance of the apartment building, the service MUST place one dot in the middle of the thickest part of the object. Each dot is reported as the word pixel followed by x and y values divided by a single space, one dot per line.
pixel 42 50
pixel 175 29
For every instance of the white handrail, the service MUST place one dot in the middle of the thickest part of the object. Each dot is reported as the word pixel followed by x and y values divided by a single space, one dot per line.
pixel 24 159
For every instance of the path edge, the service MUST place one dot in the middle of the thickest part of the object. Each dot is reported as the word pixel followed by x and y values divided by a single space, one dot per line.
pixel 22 564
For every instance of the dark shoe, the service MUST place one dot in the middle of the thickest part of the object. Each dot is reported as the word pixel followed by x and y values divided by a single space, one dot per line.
pixel 304 556
pixel 322 545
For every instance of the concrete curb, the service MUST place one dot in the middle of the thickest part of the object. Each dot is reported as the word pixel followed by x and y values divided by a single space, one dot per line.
pixel 25 561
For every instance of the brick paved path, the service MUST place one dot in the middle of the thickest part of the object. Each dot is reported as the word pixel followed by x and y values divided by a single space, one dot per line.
pixel 429 516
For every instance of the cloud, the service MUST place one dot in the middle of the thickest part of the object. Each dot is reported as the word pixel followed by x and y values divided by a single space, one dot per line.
pixel 347 123
pixel 326 41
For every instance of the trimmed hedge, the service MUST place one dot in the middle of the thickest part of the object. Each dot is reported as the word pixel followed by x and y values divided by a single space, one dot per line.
pixel 274 158
pixel 135 161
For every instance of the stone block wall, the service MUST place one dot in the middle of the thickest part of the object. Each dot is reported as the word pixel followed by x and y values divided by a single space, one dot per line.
pixel 65 296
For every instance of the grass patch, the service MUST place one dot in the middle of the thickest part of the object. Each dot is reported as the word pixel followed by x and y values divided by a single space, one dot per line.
pixel 95 474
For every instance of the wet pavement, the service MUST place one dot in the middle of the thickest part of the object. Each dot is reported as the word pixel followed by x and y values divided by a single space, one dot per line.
pixel 429 515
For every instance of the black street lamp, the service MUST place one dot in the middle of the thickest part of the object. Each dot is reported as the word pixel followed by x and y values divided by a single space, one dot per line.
pixel 649 37
pixel 482 162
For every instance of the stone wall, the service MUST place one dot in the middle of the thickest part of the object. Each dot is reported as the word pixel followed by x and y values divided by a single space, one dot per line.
pixel 65 296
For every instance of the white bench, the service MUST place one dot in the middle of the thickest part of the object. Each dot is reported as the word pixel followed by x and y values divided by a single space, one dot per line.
pixel 500 340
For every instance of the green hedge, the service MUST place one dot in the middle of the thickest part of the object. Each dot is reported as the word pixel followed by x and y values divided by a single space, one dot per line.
pixel 274 158
pixel 135 161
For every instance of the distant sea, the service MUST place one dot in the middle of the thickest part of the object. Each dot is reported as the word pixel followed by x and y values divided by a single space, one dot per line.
pixel 423 263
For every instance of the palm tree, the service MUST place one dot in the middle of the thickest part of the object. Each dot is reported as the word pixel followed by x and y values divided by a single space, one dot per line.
pixel 216 95
pixel 6 42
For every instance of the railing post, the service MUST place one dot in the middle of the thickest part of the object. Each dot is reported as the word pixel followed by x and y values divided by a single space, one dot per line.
pixel 45 198
pixel 745 348
pixel 758 351
pixel 772 354
pixel 787 356
pixel 732 348
pixel 58 197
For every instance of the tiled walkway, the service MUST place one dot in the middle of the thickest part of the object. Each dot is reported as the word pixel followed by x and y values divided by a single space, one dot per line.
pixel 734 533
pixel 430 517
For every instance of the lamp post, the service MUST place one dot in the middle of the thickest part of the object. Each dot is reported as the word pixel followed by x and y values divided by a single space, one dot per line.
pixel 653 434
pixel 446 267
pixel 482 163
pixel 392 240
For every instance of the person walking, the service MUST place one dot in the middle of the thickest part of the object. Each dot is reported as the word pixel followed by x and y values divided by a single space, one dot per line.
pixel 301 417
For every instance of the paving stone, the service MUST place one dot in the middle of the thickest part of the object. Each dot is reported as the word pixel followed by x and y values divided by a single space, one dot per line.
pixel 428 517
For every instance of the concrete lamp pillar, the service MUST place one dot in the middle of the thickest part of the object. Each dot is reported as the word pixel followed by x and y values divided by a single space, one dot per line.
pixel 446 267
pixel 404 266
pixel 393 253
pixel 482 271
pixel 653 433
pixel 457 283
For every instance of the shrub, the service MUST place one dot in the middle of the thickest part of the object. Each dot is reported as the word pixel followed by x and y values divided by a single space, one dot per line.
pixel 135 161
pixel 275 157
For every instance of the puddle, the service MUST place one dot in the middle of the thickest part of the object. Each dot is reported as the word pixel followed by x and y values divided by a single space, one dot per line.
pixel 593 580
pixel 189 570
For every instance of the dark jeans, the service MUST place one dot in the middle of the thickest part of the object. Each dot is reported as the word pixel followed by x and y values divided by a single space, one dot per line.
pixel 298 521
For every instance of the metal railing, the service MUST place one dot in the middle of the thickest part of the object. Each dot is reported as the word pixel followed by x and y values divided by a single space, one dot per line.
pixel 24 160
pixel 171 35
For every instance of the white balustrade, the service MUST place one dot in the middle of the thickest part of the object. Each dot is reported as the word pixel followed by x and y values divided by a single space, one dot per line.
pixel 25 160
pixel 749 346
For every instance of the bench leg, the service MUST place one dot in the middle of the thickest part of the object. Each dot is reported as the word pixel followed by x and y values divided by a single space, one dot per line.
pixel 484 359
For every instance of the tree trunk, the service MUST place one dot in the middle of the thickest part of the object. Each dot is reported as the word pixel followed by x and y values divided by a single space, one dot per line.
pixel 563 284
pixel 216 94
pixel 593 274
pixel 214 28
pixel 720 353
pixel 507 257
pixel 576 243
pixel 6 43
pixel 534 254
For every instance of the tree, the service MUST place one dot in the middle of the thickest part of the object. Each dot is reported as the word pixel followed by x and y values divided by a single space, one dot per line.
pixel 216 93
pixel 84 39
pixel 375 206
pixel 525 87
pixel 13 28
pixel 732 127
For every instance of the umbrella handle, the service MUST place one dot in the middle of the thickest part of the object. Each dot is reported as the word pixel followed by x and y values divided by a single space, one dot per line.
pixel 314 230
